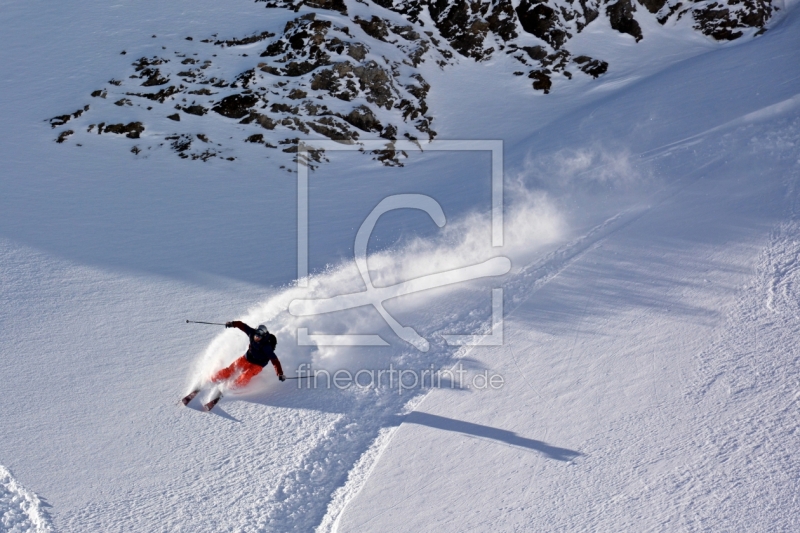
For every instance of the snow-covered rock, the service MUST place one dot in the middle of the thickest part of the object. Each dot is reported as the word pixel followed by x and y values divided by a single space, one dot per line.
pixel 349 73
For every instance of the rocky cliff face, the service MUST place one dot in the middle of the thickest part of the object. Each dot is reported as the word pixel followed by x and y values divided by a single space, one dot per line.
pixel 332 74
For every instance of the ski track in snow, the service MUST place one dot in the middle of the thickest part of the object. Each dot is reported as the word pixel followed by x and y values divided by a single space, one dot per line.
pixel 332 474
pixel 20 509
pixel 364 432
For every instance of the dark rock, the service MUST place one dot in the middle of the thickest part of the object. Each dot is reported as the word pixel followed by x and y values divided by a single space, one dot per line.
pixel 502 20
pixel 330 128
pixel 458 24
pixel 246 40
pixel 145 67
pixel 176 117
pixel 180 143
pixel 274 49
pixel 60 120
pixel 364 119
pixel 756 13
pixel 376 83
pixel 375 27
pixel 144 63
pixel 556 61
pixel 160 96
pixel 389 132
pixel 406 32
pixel 328 79
pixel 206 155
pixel 717 24
pixel 255 138
pixel 335 45
pixel 263 67
pixel 245 78
pixel 592 67
pixel 284 108
pixel 63 136
pixel 196 110
pixel 389 156
pixel 542 21
pixel 333 5
pixel 589 15
pixel 541 80
pixel 620 15
pixel 295 5
pixel 726 22
pixel 297 94
pixel 298 40
pixel 262 120
pixel 132 130
pixel 536 52
pixel 416 55
pixel 63 119
pixel 357 51
pixel 295 68
pixel 236 105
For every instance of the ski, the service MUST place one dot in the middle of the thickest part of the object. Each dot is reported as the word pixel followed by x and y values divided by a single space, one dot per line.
pixel 211 403
pixel 189 397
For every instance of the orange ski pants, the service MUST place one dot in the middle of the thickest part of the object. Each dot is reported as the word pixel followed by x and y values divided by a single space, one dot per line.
pixel 241 366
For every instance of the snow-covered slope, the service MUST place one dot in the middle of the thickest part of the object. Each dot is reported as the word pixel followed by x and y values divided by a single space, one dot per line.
pixel 650 376
pixel 651 383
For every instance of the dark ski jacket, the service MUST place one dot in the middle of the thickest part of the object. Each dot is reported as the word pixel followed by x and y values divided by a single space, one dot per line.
pixel 259 353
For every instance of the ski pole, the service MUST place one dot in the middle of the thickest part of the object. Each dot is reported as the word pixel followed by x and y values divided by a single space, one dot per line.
pixel 199 322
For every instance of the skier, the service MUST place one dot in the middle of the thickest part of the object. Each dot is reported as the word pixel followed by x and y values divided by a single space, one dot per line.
pixel 260 352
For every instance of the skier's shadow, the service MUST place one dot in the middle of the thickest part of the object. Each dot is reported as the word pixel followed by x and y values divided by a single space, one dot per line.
pixel 488 432
pixel 218 410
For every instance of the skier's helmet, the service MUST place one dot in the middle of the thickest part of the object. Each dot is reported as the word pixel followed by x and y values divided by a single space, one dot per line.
pixel 262 331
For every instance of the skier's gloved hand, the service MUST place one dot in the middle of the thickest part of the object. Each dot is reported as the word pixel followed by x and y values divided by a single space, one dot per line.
pixel 282 377
pixel 228 324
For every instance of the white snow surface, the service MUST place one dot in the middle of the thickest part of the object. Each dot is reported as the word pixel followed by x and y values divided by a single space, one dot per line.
pixel 651 379
pixel 20 509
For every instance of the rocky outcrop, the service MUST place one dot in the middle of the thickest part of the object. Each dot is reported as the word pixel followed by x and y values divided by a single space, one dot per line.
pixel 322 75
pixel 727 21
pixel 620 15
pixel 541 20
